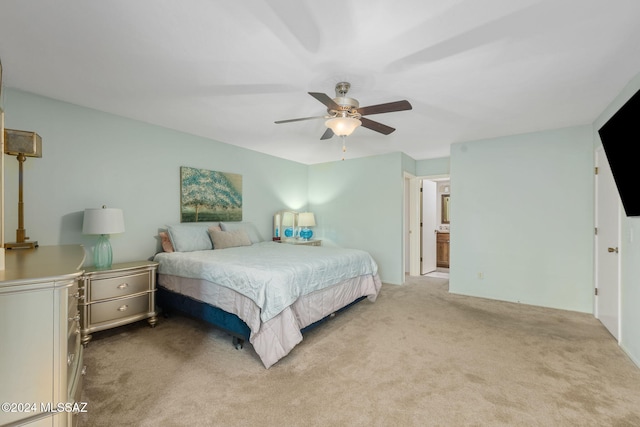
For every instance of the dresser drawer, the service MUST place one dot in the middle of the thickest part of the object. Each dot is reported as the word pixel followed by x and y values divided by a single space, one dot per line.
pixel 72 308
pixel 72 299
pixel 74 358
pixel 73 323
pixel 118 286
pixel 118 309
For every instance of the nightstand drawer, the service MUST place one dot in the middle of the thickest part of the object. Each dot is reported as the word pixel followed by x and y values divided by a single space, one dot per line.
pixel 118 309
pixel 118 286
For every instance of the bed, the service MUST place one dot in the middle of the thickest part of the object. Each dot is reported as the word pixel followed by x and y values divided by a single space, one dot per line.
pixel 267 292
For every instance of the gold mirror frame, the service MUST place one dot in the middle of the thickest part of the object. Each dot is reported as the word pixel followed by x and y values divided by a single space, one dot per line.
pixel 444 203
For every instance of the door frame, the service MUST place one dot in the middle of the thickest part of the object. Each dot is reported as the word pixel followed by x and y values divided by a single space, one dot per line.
pixel 428 226
pixel 412 212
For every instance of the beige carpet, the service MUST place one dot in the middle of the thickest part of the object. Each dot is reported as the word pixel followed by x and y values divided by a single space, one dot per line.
pixel 417 356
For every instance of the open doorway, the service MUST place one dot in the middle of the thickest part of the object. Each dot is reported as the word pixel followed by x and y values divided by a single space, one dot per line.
pixel 427 225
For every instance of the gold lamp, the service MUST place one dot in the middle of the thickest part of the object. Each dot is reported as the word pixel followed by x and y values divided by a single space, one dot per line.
pixel 22 144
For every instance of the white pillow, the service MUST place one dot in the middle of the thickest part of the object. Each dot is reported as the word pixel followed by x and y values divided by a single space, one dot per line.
pixel 249 227
pixel 190 237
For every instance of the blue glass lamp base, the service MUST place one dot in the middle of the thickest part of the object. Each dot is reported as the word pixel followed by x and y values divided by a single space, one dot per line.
pixel 102 254
pixel 306 233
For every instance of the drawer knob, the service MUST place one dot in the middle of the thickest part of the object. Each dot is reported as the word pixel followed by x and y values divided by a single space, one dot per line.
pixel 123 308
pixel 123 286
pixel 70 358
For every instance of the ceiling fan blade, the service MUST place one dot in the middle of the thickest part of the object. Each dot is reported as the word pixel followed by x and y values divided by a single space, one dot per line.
pixel 324 98
pixel 300 119
pixel 385 108
pixel 378 127
pixel 328 134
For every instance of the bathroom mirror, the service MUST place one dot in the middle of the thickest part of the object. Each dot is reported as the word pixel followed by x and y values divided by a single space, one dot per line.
pixel 445 209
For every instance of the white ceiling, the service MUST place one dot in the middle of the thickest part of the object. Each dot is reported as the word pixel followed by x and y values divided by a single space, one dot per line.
pixel 226 70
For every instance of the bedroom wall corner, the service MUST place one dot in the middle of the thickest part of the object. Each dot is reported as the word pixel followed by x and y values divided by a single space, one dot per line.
pixel 358 204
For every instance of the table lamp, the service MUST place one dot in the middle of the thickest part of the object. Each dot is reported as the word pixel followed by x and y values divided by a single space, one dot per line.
pixel 22 144
pixel 288 225
pixel 103 221
pixel 306 220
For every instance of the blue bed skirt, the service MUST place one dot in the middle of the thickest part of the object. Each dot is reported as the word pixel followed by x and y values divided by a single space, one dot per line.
pixel 229 322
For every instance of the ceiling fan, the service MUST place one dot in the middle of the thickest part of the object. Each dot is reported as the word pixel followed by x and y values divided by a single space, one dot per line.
pixel 344 114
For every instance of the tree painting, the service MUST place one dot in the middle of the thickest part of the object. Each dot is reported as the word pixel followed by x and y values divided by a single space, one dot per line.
pixel 209 195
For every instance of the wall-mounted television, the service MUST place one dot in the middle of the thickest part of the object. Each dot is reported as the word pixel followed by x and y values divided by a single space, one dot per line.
pixel 620 136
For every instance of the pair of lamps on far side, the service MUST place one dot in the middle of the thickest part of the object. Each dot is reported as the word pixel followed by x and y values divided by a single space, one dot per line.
pixel 103 221
pixel 306 220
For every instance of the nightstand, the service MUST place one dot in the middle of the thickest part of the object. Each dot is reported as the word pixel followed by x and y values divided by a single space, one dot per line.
pixel 312 242
pixel 122 294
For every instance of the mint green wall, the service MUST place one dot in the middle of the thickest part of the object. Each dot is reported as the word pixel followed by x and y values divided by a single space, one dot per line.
pixel 629 249
pixel 433 167
pixel 408 164
pixel 91 158
pixel 358 203
pixel 522 218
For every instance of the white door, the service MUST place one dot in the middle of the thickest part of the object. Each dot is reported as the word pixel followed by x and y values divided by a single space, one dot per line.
pixel 414 226
pixel 428 229
pixel 608 209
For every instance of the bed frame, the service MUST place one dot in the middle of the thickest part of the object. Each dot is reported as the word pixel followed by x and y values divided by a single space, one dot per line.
pixel 169 301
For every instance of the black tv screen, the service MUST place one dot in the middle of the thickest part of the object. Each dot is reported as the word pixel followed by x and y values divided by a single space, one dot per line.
pixel 619 137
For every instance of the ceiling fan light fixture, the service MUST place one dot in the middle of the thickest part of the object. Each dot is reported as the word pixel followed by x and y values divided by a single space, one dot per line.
pixel 343 126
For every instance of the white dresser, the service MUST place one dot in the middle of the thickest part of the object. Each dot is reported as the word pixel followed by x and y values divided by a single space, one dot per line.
pixel 41 364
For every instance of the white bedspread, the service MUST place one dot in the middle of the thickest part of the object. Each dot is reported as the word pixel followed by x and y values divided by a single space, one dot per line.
pixel 273 275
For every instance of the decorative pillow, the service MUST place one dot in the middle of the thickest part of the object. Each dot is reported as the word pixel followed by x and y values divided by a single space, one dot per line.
pixel 189 237
pixel 166 241
pixel 248 227
pixel 229 239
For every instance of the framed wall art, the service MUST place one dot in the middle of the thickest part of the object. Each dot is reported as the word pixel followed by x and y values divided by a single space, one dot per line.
pixel 209 195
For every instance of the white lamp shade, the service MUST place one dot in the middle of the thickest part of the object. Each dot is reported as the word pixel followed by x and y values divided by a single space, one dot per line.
pixel 343 126
pixel 288 219
pixel 103 221
pixel 306 219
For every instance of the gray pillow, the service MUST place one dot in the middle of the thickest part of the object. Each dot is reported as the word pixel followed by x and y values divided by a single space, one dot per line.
pixel 189 237
pixel 229 239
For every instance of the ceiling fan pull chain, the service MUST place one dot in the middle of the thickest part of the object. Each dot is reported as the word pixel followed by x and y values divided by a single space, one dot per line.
pixel 344 145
